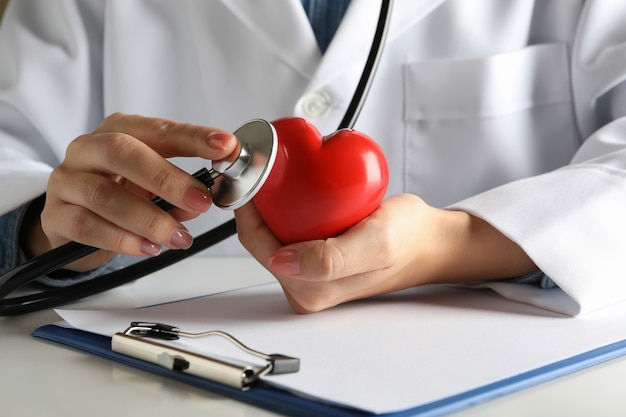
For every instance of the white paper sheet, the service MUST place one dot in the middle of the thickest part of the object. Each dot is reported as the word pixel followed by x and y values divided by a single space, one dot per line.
pixel 385 354
pixel 193 277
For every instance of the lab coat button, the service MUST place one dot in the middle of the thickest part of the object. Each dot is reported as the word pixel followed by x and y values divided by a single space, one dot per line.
pixel 316 103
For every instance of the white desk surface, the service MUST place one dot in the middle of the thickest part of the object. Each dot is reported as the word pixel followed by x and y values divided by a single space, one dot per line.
pixel 43 379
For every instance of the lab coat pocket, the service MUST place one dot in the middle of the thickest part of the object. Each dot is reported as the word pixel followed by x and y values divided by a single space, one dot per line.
pixel 476 123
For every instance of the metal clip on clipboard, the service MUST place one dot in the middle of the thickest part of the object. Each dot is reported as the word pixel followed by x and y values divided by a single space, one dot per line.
pixel 135 341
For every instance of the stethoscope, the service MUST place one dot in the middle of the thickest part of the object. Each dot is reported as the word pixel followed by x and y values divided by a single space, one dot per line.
pixel 233 183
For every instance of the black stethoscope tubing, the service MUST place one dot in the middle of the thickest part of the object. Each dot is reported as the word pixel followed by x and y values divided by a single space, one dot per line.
pixel 70 252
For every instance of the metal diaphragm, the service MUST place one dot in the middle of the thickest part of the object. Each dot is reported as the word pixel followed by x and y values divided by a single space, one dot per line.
pixel 241 178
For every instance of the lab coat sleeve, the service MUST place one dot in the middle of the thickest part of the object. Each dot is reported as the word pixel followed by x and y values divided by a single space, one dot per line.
pixel 50 90
pixel 572 221
pixel 50 93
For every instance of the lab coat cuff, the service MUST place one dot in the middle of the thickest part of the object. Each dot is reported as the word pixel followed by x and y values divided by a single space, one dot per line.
pixel 10 224
pixel 13 255
pixel 537 277
pixel 65 278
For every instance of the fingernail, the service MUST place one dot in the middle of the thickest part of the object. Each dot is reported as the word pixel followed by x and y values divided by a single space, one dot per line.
pixel 285 262
pixel 181 239
pixel 197 199
pixel 220 140
pixel 150 248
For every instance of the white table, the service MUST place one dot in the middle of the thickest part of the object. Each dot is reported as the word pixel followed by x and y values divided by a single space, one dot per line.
pixel 43 379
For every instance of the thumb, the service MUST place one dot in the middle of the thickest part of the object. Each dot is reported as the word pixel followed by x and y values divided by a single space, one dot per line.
pixel 354 252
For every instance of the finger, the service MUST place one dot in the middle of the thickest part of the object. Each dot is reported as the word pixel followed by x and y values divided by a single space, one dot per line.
pixel 356 251
pixel 310 272
pixel 170 138
pixel 370 245
pixel 117 154
pixel 254 234
pixel 178 214
pixel 84 226
pixel 363 248
pixel 122 209
pixel 334 271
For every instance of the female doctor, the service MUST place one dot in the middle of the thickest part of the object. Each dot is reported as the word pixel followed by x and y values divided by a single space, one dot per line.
pixel 502 122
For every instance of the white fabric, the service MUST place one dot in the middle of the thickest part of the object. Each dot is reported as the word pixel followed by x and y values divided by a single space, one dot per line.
pixel 478 105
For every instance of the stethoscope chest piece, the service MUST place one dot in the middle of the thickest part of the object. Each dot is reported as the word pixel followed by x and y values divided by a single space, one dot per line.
pixel 240 179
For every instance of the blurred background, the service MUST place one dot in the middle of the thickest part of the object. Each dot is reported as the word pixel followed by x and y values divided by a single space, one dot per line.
pixel 3 3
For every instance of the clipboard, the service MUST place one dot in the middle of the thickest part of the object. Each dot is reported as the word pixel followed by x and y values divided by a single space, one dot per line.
pixel 259 395
pixel 442 306
pixel 288 404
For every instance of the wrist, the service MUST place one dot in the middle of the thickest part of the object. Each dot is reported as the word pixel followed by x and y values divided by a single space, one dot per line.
pixel 471 249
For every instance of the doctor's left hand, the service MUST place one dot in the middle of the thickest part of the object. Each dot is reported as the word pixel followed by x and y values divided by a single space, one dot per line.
pixel 404 243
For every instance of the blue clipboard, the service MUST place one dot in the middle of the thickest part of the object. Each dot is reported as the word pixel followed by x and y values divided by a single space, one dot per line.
pixel 289 404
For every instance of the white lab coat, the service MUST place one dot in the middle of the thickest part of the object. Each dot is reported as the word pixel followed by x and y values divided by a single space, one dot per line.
pixel 480 105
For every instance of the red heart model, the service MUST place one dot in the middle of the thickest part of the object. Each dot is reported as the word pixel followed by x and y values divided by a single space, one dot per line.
pixel 320 186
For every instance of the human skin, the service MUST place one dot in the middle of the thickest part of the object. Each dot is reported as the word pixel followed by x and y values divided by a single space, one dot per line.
pixel 404 243
pixel 100 193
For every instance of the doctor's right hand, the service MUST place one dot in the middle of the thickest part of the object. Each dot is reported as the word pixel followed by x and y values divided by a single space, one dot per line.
pixel 100 195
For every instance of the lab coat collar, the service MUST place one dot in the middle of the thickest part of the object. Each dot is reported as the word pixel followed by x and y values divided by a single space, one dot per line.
pixel 287 32
pixel 285 29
